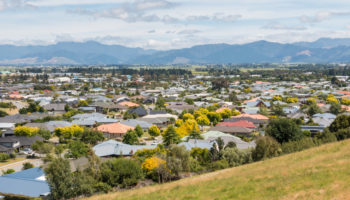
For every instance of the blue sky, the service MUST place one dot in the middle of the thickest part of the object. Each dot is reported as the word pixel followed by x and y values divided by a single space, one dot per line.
pixel 170 24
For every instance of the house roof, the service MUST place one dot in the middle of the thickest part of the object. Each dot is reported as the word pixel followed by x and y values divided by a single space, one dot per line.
pixel 55 107
pixel 253 116
pixel 232 129
pixel 114 128
pixel 241 123
pixel 135 122
pixel 128 103
pixel 30 183
pixel 115 148
pixel 140 111
pixel 203 144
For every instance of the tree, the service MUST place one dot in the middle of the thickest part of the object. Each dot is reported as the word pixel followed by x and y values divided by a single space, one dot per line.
pixel 219 83
pixel 313 109
pixel 170 136
pixel 8 171
pixel 44 133
pixel 59 178
pixel 226 113
pixel 77 149
pixel 154 131
pixel 3 113
pixel 236 157
pixel 233 97
pixel 189 101
pixel 187 116
pixel 263 111
pixel 82 103
pixel 91 136
pixel 284 130
pixel 178 159
pixel 335 108
pixel 138 130
pixel 27 165
pixel 203 120
pixel 278 110
pixel 130 137
pixel 69 132
pixel 160 102
pixel 195 135
pixel 214 117
pixel 187 127
pixel 121 172
pixel 341 122
pixel 266 147
pixel 26 131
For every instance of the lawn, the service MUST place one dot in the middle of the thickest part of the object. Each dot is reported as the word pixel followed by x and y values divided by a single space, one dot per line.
pixel 10 161
pixel 318 173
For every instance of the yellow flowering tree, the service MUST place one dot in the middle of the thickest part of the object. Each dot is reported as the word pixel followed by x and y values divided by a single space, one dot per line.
pixel 345 101
pixel 26 131
pixel 69 132
pixel 277 98
pixel 187 127
pixel 235 112
pixel 331 100
pixel 292 100
pixel 187 116
pixel 225 113
pixel 154 131
pixel 152 163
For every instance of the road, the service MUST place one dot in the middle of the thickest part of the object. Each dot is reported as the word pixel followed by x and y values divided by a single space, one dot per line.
pixel 17 166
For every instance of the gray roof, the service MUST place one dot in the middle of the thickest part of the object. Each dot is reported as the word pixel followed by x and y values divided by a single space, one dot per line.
pixel 21 118
pixel 115 148
pixel 27 183
pixel 55 107
pixel 203 144
pixel 135 122
pixel 51 125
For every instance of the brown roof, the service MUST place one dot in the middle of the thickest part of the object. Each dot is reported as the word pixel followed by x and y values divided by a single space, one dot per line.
pixel 231 129
pixel 114 128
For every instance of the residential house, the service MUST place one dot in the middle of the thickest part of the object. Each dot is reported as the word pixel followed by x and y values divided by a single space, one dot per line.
pixel 114 130
pixel 113 148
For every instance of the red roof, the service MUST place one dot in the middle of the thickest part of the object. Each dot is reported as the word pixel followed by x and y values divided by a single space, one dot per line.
pixel 241 123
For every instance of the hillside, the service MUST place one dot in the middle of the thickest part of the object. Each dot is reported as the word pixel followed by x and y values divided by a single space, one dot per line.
pixel 318 173
pixel 324 50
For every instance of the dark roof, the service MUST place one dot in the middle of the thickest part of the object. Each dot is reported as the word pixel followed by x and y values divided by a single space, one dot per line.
pixel 24 141
pixel 140 111
pixel 21 118
pixel 155 112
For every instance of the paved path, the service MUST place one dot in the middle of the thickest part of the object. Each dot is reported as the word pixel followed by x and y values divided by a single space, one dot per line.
pixel 17 166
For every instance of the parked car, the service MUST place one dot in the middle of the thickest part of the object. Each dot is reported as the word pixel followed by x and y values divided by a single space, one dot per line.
pixel 27 151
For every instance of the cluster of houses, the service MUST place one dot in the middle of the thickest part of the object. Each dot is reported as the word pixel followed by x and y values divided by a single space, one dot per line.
pixel 106 108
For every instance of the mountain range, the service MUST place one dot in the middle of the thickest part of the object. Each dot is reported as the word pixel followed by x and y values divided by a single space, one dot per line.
pixel 323 50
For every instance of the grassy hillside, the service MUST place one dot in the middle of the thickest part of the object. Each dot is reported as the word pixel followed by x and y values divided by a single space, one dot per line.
pixel 318 173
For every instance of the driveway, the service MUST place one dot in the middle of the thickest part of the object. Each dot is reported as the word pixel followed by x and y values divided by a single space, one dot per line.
pixel 17 166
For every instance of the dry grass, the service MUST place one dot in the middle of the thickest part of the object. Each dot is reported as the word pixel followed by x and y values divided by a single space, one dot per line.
pixel 11 161
pixel 318 173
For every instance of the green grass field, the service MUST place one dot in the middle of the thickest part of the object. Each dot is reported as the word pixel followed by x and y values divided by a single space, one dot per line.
pixel 318 173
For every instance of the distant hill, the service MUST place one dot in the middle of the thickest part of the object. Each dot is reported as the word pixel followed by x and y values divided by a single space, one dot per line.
pixel 324 50
pixel 317 173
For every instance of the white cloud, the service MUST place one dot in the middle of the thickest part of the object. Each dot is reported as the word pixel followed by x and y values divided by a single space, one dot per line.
pixel 322 16
pixel 279 26
pixel 14 4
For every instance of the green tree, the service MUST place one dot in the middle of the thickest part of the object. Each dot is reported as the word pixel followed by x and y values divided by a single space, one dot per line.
pixel 138 130
pixel 130 137
pixel 59 178
pixel 266 147
pixel 77 149
pixel 3 113
pixel 91 136
pixel 341 122
pixel 284 130
pixel 335 108
pixel 170 136
pixel 121 172
pixel 313 109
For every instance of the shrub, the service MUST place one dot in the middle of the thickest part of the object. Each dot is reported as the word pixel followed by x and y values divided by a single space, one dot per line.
pixel 299 145
pixel 121 172
pixel 284 130
pixel 4 157
pixel 235 157
pixel 218 165
pixel 266 147
pixel 27 165
pixel 9 171
pixel 154 131
pixel 343 134
pixel 26 131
